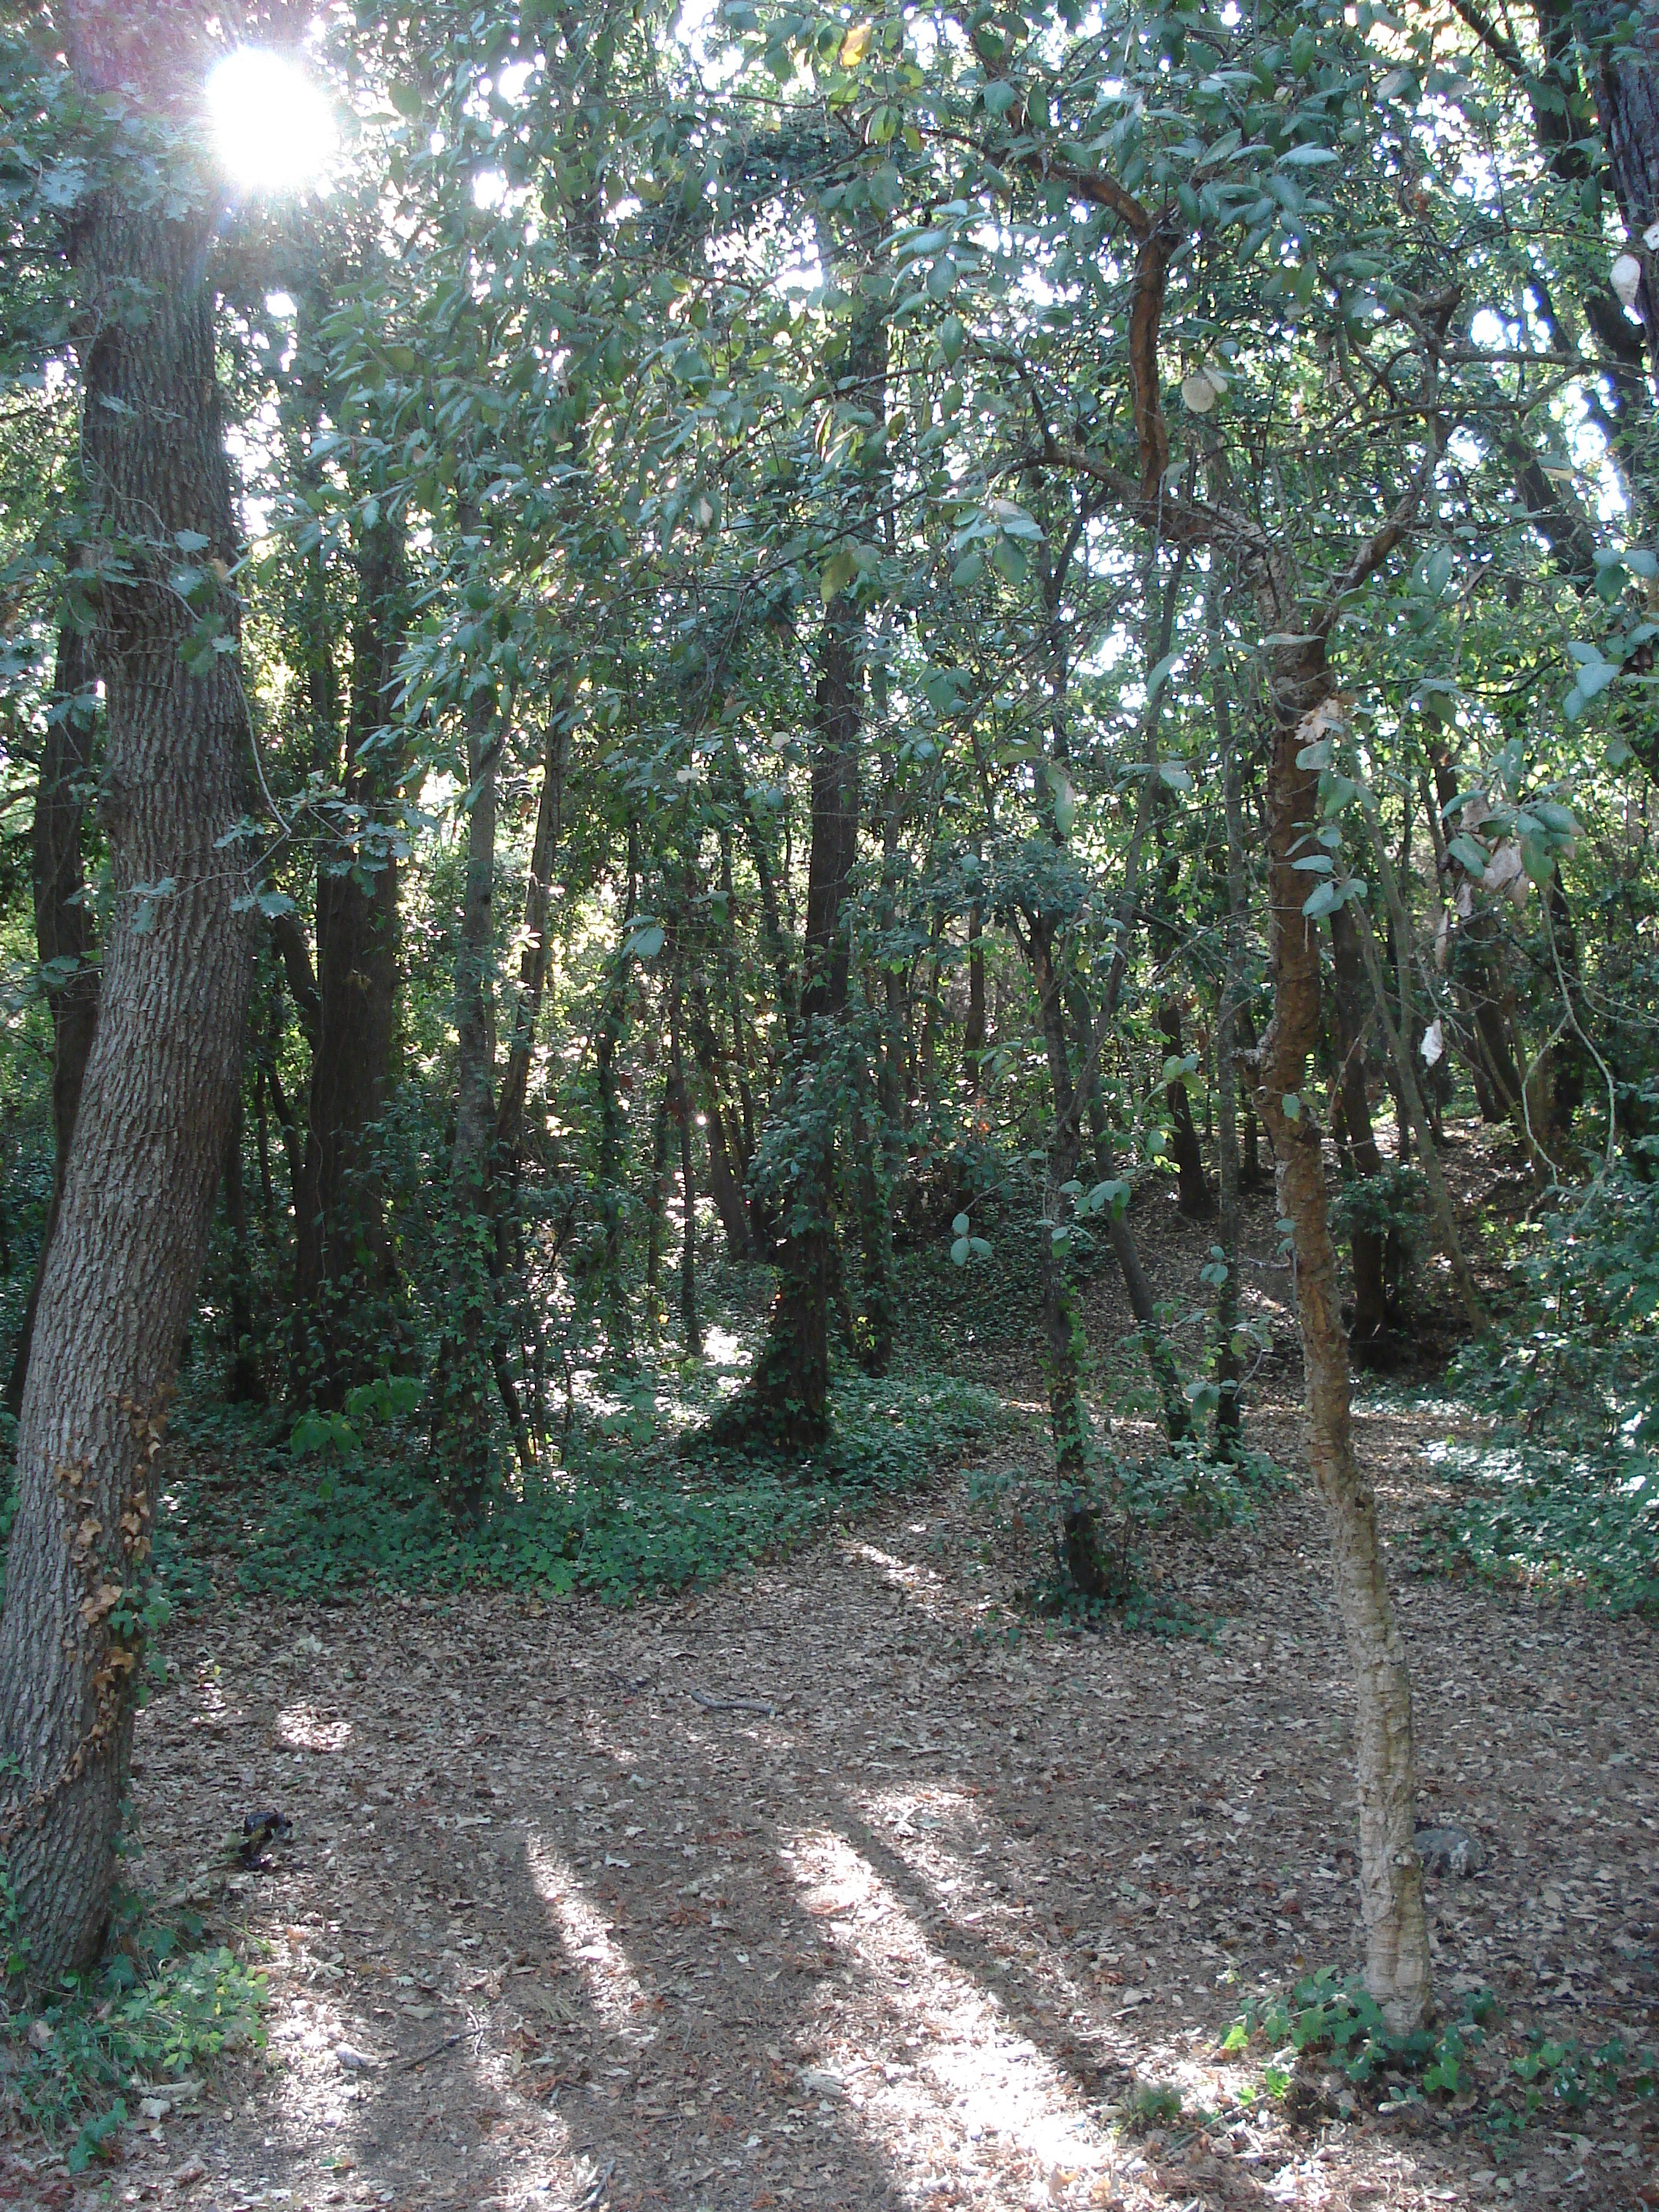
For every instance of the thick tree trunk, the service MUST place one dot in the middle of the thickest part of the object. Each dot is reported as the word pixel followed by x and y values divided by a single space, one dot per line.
pixel 156 1107
pixel 1397 1969
pixel 62 932
pixel 342 1261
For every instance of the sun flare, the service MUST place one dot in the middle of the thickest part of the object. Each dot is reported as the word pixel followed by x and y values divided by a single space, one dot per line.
pixel 273 127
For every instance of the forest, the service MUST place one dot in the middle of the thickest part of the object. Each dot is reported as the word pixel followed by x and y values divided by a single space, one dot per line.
pixel 829 1103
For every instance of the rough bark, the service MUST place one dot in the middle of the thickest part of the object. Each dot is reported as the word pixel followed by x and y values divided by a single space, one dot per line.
pixel 155 1106
pixel 63 930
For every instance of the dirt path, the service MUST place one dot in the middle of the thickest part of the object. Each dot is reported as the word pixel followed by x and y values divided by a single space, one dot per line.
pixel 916 1935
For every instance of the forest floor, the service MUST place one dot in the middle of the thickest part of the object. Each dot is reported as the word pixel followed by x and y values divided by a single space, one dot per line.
pixel 834 1886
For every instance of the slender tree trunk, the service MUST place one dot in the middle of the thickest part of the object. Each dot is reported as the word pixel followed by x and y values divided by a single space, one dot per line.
pixel 157 1102
pixel 788 1394
pixel 656 1210
pixel 725 1180
pixel 1229 1413
pixel 343 1259
pixel 973 1032
pixel 63 931
pixel 460 1428
pixel 1193 1194
pixel 246 1385
pixel 1367 1243
pixel 1062 1321
pixel 1160 1356
pixel 680 1109
pixel 534 959
pixel 1397 1968
pixel 613 1137
pixel 876 1321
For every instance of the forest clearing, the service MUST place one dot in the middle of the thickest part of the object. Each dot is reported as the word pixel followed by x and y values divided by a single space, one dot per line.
pixel 828 1103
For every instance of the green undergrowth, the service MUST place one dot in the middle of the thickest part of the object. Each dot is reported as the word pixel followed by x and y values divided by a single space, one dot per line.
pixel 629 1516
pixel 1553 1464
pixel 1333 2018
pixel 149 2021
pixel 1101 1567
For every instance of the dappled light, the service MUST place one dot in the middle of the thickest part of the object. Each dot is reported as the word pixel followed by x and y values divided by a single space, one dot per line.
pixel 829 1106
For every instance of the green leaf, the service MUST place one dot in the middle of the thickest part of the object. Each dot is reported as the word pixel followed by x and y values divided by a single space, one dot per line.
pixel 1292 1106
pixel 837 573
pixel 959 1226
pixel 1472 854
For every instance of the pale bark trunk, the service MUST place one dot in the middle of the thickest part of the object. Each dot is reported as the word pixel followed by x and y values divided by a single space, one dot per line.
pixel 1397 1969
pixel 156 1107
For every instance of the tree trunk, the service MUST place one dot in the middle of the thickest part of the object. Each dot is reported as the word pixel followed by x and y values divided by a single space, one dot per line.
pixel 680 1109
pixel 62 932
pixel 1229 1411
pixel 534 959
pixel 155 1106
pixel 1367 1243
pixel 460 1428
pixel 725 1180
pixel 787 1396
pixel 343 1260
pixel 246 1384
pixel 1160 1356
pixel 1397 1969
pixel 1062 1321
pixel 1192 1184
pixel 973 1032
pixel 1628 99
pixel 656 1211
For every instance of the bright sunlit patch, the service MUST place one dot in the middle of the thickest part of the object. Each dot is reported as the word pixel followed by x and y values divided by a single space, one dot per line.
pixel 611 1981
pixel 274 129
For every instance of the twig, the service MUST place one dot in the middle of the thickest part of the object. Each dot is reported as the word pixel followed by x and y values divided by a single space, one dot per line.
pixel 436 2051
pixel 733 1705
